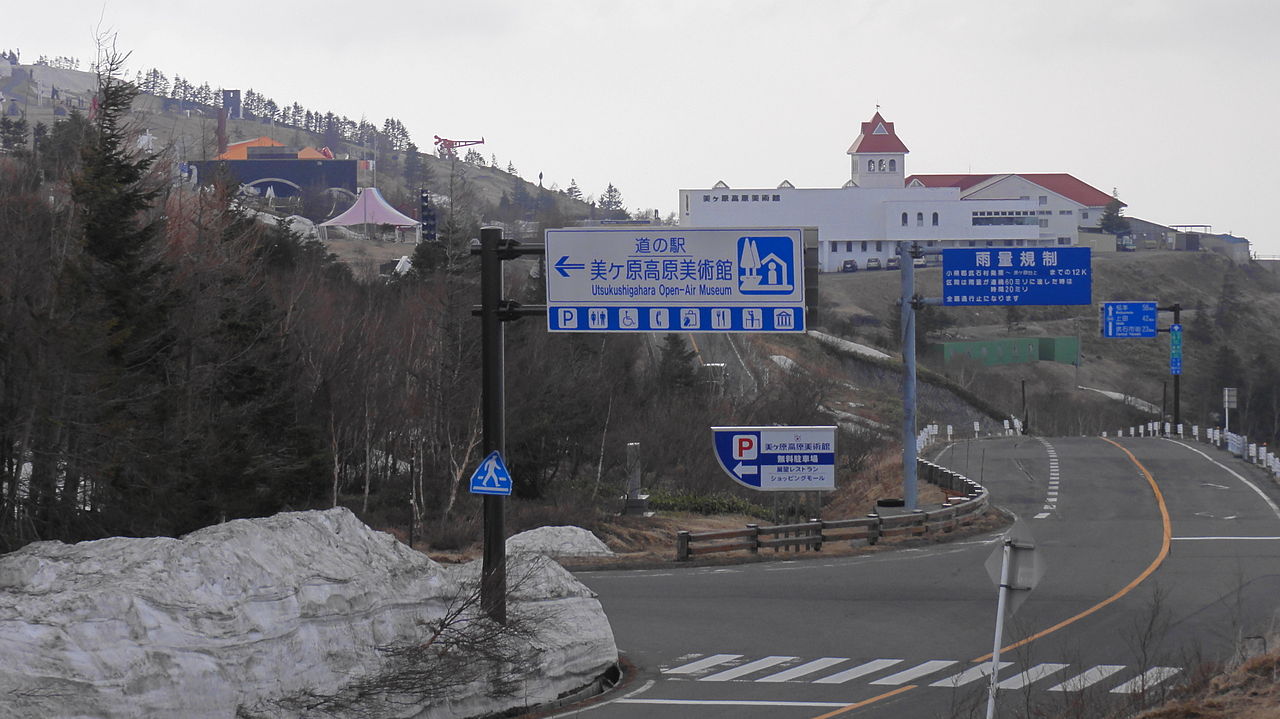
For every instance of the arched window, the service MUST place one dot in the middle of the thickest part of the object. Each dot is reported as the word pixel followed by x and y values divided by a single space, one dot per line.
pixel 893 165
pixel 904 219
pixel 919 219
pixel 882 165
pixel 935 219
pixel 871 165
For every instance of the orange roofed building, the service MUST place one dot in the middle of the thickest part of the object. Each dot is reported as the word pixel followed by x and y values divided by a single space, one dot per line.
pixel 241 150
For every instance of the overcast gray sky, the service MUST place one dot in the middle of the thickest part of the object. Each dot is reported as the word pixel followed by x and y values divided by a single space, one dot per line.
pixel 1171 102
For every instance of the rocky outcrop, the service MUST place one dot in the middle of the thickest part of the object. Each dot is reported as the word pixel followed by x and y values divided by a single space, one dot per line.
pixel 245 615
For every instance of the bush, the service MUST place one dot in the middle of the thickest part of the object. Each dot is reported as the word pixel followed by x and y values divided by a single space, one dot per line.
pixel 718 503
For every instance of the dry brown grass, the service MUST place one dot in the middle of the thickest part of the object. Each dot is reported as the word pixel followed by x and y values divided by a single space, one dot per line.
pixel 1251 691
pixel 880 477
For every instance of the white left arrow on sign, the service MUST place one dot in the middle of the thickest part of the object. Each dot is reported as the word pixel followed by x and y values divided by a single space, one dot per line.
pixel 745 469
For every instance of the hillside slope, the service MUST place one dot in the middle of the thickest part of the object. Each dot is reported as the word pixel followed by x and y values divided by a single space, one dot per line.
pixel 1228 311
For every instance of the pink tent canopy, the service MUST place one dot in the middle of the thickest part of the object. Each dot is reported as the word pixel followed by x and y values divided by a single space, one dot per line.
pixel 371 209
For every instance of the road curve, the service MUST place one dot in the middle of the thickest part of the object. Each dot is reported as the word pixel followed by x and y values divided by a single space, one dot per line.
pixel 1157 553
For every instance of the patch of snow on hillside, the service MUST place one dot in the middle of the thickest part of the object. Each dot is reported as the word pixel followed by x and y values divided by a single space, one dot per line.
pixel 1141 404
pixel 846 346
pixel 784 362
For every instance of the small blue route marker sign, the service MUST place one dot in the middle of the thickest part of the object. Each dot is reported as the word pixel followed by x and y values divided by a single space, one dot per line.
pixel 1129 319
pixel 491 477
pixel 1175 349
pixel 1017 276
pixel 774 459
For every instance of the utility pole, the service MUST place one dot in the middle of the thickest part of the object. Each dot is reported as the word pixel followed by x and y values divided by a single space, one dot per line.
pixel 908 309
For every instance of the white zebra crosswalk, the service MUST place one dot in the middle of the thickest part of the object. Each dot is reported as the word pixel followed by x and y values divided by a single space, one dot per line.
pixel 938 673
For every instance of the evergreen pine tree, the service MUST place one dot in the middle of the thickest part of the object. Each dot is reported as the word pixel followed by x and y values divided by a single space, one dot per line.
pixel 675 363
pixel 1113 219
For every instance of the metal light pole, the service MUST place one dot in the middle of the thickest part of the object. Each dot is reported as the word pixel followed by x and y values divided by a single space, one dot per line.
pixel 907 267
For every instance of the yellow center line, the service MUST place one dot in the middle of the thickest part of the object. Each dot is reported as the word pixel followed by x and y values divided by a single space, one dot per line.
pixel 1151 568
pixel 865 702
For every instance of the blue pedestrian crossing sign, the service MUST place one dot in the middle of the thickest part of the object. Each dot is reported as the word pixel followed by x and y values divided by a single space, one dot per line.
pixel 491 477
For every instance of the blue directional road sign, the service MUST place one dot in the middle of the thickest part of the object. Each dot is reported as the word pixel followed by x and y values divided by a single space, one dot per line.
pixel 1129 319
pixel 776 459
pixel 491 477
pixel 1017 276
pixel 1175 349
pixel 672 279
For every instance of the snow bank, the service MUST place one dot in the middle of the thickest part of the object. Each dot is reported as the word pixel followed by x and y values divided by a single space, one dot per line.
pixel 1141 404
pixel 846 346
pixel 784 362
pixel 243 614
pixel 558 542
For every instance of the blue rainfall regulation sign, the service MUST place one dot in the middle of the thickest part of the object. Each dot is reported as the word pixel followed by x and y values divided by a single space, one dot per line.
pixel 673 279
pixel 776 459
pixel 1017 276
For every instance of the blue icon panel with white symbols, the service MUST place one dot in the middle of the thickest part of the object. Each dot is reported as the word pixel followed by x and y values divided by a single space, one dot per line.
pixel 585 318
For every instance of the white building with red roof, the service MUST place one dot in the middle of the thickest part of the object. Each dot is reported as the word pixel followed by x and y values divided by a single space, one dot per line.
pixel 881 206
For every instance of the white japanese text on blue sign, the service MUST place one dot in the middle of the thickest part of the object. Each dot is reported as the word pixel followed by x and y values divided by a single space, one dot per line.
pixel 661 279
pixel 1129 319
pixel 1043 276
pixel 778 458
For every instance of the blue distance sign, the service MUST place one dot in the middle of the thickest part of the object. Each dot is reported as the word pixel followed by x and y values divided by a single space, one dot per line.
pixel 672 279
pixel 778 459
pixel 1017 276
pixel 491 477
pixel 1175 349
pixel 1129 319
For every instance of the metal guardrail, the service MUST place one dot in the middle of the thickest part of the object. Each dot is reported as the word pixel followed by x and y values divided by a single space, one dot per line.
pixel 966 500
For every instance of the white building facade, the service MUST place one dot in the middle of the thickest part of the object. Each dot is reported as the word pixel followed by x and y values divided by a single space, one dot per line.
pixel 881 206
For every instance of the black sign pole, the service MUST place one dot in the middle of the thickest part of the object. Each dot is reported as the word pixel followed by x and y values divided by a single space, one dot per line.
pixel 1176 309
pixel 493 573
pixel 493 311
pixel 1177 378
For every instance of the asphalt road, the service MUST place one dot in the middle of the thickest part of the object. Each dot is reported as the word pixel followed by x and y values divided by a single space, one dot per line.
pixel 1146 577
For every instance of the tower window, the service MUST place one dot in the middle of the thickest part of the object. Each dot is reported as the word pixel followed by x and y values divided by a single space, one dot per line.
pixel 893 165
pixel 882 165
pixel 871 165
pixel 904 219
pixel 935 219
pixel 919 219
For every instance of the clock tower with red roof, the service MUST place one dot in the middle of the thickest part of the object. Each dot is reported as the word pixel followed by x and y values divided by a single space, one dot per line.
pixel 879 157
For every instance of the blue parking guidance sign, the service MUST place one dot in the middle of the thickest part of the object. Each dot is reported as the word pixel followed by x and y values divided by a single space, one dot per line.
pixel 776 459
pixel 491 477
pixel 1017 276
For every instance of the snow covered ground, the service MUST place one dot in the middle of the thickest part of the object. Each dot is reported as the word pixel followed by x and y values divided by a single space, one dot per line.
pixel 244 615
pixel 846 346
pixel 1141 404
pixel 558 542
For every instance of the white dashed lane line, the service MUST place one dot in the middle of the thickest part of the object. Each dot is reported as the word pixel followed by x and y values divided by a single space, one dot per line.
pixel 1051 497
